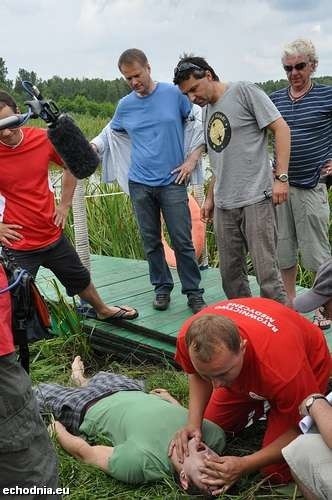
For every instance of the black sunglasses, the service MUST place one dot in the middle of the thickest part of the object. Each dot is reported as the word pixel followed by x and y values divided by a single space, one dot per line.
pixel 298 67
pixel 184 66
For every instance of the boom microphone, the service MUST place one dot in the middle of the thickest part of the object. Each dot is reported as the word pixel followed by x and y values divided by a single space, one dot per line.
pixel 13 121
pixel 73 147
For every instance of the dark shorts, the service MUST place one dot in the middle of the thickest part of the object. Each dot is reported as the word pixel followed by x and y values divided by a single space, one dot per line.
pixel 27 457
pixel 61 258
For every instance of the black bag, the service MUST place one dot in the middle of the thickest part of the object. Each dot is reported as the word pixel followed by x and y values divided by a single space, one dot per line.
pixel 30 315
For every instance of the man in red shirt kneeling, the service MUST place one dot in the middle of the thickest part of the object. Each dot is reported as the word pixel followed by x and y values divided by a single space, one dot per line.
pixel 240 354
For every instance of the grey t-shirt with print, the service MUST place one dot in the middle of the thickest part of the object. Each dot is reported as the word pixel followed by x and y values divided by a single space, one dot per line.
pixel 236 136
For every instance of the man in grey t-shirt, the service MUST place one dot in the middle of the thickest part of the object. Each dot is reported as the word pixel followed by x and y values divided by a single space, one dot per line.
pixel 243 189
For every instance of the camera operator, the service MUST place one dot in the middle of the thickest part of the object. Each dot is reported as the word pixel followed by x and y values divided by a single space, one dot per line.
pixel 27 457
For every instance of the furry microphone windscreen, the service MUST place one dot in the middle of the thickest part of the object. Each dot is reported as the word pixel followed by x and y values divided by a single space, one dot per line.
pixel 73 147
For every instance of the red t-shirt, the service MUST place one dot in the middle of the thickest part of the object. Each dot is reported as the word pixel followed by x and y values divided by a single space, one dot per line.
pixel 6 337
pixel 26 193
pixel 286 357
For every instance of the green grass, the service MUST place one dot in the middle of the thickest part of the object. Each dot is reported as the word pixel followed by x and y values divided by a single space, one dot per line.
pixel 51 360
pixel 112 227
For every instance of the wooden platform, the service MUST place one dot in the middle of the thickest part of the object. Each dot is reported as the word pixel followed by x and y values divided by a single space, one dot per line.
pixel 153 334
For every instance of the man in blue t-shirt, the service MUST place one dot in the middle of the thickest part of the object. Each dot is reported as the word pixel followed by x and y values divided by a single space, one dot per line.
pixel 153 116
pixel 303 220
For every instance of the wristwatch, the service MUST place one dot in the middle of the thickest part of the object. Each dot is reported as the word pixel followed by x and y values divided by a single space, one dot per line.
pixel 310 401
pixel 282 177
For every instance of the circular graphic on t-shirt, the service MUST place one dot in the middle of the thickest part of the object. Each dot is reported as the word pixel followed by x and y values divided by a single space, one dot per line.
pixel 218 131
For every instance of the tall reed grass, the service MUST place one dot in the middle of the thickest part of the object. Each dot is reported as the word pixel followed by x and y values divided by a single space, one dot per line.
pixel 112 226
pixel 113 229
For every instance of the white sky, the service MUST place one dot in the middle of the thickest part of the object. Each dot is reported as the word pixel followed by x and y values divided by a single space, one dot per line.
pixel 241 39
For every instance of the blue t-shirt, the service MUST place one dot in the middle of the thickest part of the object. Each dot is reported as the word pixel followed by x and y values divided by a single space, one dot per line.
pixel 154 124
pixel 310 121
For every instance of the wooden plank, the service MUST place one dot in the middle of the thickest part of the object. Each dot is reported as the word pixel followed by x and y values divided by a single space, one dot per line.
pixel 120 281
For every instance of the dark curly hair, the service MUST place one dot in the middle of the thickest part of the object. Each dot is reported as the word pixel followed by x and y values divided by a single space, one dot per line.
pixel 192 65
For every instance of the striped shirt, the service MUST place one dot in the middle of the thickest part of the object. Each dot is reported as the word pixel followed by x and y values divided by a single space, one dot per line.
pixel 310 121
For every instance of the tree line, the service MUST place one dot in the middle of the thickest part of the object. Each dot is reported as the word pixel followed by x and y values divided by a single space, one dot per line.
pixel 270 85
pixel 92 96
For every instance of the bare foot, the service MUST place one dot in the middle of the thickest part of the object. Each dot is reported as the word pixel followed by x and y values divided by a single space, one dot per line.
pixel 117 313
pixel 77 372
pixel 164 394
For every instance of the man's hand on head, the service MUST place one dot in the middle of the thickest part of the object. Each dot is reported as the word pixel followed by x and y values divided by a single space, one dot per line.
pixel 222 472
pixel 180 441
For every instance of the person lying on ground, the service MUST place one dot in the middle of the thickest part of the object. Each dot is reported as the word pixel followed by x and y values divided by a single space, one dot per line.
pixel 139 426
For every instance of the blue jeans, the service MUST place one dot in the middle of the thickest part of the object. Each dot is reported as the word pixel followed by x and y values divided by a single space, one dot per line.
pixel 172 202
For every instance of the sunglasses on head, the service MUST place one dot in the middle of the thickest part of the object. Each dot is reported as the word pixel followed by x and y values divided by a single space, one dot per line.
pixel 298 67
pixel 185 66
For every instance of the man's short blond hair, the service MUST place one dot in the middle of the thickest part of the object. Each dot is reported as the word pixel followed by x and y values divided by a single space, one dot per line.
pixel 301 46
pixel 207 333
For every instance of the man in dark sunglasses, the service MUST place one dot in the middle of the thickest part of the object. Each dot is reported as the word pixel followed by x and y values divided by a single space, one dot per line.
pixel 242 192
pixel 303 220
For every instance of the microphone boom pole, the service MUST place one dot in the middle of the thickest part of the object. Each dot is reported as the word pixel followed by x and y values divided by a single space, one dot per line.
pixel 67 138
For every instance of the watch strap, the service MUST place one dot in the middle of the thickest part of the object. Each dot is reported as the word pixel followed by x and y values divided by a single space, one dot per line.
pixel 311 401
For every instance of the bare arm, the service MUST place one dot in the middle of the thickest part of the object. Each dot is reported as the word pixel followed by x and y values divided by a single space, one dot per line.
pixel 80 449
pixel 68 187
pixel 195 155
pixel 165 395
pixel 208 205
pixel 281 133
pixel 188 165
pixel 225 471
pixel 321 412
pixel 199 395
pixel 270 454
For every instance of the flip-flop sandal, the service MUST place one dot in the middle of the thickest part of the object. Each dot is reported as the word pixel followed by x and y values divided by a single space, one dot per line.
pixel 120 315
